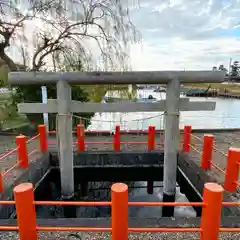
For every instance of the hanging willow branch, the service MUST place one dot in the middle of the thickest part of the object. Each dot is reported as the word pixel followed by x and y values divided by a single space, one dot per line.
pixel 89 28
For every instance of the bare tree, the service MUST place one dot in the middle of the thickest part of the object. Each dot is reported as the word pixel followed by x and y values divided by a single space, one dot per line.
pixel 13 21
pixel 3 4
pixel 85 27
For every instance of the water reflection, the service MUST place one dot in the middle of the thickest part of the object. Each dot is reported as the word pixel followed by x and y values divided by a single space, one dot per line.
pixel 137 193
pixel 140 195
pixel 100 191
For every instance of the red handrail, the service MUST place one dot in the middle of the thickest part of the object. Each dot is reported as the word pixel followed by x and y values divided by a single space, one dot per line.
pixel 206 154
pixel 26 215
pixel 231 180
pixel 233 158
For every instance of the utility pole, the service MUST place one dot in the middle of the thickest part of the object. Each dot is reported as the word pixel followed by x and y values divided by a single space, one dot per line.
pixel 229 69
pixel 44 100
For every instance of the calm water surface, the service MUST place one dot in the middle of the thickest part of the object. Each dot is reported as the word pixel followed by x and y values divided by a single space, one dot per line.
pixel 226 115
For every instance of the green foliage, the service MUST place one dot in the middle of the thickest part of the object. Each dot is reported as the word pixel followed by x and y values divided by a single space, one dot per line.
pixel 235 69
pixel 33 94
pixel 7 109
pixel 221 68
pixel 3 75
pixel 114 33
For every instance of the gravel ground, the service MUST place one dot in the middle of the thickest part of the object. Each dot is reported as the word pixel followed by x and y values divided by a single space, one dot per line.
pixel 222 141
pixel 7 143
pixel 107 236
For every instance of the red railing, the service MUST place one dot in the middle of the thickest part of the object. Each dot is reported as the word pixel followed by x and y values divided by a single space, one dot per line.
pixel 232 158
pixel 209 228
pixel 233 163
pixel 212 199
pixel 151 143
pixel 116 141
pixel 22 155
pixel 81 132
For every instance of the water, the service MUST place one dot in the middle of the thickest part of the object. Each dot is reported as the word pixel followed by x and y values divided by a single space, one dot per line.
pixel 140 195
pixel 137 193
pixel 226 115
pixel 100 191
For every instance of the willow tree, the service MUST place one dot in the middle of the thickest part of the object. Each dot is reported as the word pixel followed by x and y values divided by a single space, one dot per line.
pixel 99 31
pixel 3 73
pixel 46 33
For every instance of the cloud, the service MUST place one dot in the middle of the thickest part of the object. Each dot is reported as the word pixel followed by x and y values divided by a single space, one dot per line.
pixel 181 34
pixel 190 34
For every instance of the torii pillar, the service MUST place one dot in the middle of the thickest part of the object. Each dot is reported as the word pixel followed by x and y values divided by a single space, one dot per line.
pixel 65 139
pixel 171 145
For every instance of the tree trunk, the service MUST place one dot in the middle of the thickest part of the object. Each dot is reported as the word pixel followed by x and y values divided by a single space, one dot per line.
pixel 12 66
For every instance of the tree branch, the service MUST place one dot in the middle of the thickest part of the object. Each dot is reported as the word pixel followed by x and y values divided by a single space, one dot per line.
pixel 113 30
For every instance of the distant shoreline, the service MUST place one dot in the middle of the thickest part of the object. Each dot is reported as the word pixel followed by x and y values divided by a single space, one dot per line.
pixel 228 90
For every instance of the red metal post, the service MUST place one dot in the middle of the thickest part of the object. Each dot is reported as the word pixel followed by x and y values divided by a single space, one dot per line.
pixel 21 142
pixel 42 131
pixel 119 195
pixel 80 137
pixel 1 183
pixel 150 187
pixel 206 161
pixel 25 209
pixel 187 138
pixel 211 213
pixel 151 137
pixel 232 170
pixel 116 139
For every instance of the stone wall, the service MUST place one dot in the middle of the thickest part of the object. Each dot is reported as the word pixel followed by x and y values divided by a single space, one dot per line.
pixel 37 169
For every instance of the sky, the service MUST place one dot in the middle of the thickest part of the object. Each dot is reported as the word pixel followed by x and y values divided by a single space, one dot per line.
pixel 186 34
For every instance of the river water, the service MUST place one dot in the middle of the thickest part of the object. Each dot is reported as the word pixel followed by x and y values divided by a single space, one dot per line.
pixel 226 115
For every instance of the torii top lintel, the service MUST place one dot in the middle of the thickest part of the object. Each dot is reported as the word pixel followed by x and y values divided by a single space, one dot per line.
pixel 139 77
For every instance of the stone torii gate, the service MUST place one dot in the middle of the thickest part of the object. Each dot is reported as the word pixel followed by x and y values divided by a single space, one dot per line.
pixel 64 107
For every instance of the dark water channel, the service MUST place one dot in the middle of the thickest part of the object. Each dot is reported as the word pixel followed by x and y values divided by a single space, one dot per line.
pixel 49 189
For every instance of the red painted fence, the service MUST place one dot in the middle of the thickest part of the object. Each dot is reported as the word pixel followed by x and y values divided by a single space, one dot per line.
pixel 209 229
pixel 233 158
pixel 212 199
